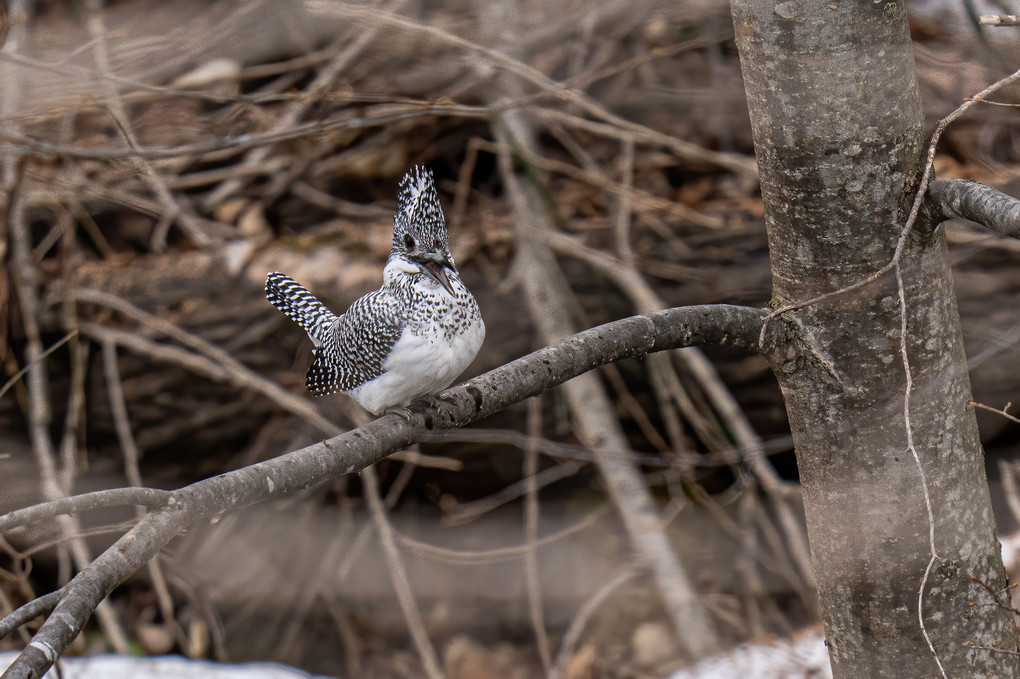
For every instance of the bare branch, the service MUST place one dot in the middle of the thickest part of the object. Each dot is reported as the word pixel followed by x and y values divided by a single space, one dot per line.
pixel 1004 412
pixel 171 209
pixel 531 568
pixel 353 46
pixel 979 203
pixel 376 117
pixel 682 149
pixel 101 499
pixel 398 576
pixel 355 450
pixel 25 614
pixel 498 554
pixel 573 635
pixel 21 373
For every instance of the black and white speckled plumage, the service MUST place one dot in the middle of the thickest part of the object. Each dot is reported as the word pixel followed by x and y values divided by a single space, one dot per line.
pixel 418 212
pixel 411 337
pixel 299 305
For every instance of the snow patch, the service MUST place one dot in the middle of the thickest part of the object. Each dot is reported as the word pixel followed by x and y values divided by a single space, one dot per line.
pixel 802 657
pixel 1010 545
pixel 162 667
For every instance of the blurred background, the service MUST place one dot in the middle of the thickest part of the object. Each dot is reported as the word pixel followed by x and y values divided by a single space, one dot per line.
pixel 594 160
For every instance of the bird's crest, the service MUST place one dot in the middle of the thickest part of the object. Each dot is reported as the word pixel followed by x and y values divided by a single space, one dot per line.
pixel 418 209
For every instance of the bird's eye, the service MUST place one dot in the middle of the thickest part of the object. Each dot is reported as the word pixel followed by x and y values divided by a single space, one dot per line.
pixel 408 241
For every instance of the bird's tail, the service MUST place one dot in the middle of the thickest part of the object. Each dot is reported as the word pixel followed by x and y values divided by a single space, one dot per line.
pixel 299 305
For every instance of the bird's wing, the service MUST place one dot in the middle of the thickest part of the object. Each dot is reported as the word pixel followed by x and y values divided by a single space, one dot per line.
pixel 356 345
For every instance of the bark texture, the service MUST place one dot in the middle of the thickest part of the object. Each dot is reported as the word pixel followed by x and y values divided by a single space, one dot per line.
pixel 839 136
pixel 978 203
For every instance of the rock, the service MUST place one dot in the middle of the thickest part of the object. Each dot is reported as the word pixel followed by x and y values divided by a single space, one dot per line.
pixel 652 645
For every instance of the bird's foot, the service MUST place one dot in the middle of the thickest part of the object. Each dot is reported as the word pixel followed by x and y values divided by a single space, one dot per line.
pixel 401 411
pixel 407 411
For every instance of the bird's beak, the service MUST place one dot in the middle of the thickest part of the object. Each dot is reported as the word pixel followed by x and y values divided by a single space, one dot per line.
pixel 435 264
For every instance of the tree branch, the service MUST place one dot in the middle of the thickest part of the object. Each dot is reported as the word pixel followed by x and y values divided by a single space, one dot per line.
pixel 378 116
pixel 355 450
pixel 33 609
pixel 979 203
pixel 76 504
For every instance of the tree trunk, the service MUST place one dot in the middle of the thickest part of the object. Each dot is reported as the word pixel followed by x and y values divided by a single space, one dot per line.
pixel 839 136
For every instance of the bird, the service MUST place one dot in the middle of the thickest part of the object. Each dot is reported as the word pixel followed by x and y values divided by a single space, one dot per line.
pixel 410 338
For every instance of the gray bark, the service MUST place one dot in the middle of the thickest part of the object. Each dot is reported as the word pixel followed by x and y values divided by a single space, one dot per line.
pixel 978 203
pixel 838 132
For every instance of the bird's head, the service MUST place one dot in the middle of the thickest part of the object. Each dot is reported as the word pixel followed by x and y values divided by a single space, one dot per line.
pixel 419 229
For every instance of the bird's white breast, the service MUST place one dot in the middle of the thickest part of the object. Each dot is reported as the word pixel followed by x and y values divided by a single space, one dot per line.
pixel 424 360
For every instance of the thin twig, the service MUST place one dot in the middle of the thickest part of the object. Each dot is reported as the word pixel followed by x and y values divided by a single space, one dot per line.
pixel 469 511
pixel 993 649
pixel 378 116
pixel 685 150
pixel 908 423
pixel 42 357
pixel 171 208
pixel 625 204
pixel 532 574
pixel 722 458
pixel 581 618
pixel 498 554
pixel 118 406
pixel 78 351
pixel 293 112
pixel 1004 412
pixel 398 575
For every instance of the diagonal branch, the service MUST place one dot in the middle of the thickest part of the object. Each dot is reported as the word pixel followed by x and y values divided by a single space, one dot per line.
pixel 353 451
pixel 29 612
